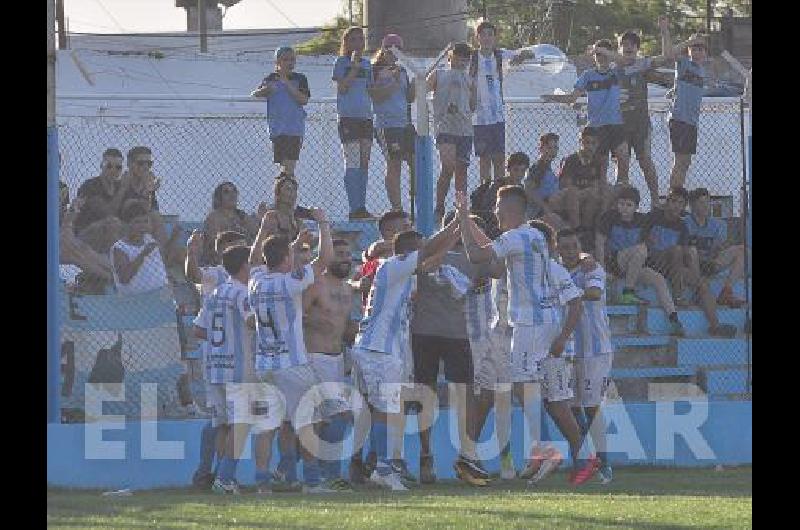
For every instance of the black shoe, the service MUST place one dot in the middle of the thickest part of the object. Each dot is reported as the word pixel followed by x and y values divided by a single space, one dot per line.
pixel 202 479
pixel 399 466
pixel 357 472
pixel 727 331
pixel 470 472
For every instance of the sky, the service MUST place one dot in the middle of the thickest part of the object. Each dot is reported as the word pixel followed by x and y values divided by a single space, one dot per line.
pixel 124 16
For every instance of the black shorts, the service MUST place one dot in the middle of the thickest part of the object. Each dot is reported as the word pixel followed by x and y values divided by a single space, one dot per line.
pixel 455 354
pixel 354 129
pixel 396 143
pixel 609 138
pixel 286 148
pixel 658 261
pixel 683 137
pixel 637 134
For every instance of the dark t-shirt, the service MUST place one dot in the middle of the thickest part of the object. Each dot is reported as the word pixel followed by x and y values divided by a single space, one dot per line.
pixel 93 189
pixel 574 173
pixel 482 202
pixel 150 198
pixel 621 234
pixel 661 233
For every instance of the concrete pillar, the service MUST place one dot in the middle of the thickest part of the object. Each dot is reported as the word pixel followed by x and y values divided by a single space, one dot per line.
pixel 426 26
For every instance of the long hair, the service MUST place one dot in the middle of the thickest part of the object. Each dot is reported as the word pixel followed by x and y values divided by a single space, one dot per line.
pixel 216 198
pixel 343 51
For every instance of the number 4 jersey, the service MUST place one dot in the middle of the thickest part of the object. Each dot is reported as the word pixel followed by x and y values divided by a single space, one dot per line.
pixel 229 348
pixel 277 299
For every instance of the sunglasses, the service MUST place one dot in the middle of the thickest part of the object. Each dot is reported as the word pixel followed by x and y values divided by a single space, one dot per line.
pixel 113 166
pixel 148 163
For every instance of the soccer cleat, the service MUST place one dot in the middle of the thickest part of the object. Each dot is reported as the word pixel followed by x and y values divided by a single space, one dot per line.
pixel 471 473
pixel 340 484
pixel 280 484
pixel 400 467
pixel 426 473
pixel 507 471
pixel 390 480
pixel 534 462
pixel 630 298
pixel 225 488
pixel 605 474
pixel 202 479
pixel 551 462
pixel 370 463
pixel 586 472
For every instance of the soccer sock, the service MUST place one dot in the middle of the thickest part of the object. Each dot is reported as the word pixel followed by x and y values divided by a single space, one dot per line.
pixel 333 433
pixel 580 417
pixel 262 476
pixel 288 463
pixel 373 440
pixel 227 469
pixel 207 448
pixel 363 174
pixel 352 181
pixel 311 471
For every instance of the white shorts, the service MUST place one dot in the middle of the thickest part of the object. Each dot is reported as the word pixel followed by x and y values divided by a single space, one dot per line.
pixel 529 345
pixel 592 379
pixel 335 391
pixel 556 375
pixel 379 377
pixel 255 404
pixel 300 393
pixel 491 361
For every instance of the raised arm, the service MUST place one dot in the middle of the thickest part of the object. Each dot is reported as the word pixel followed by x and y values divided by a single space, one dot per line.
pixel 262 91
pixel 441 242
pixel 299 95
pixel 126 268
pixel 193 248
pixel 343 84
pixel 269 226
pixel 476 253
pixel 325 242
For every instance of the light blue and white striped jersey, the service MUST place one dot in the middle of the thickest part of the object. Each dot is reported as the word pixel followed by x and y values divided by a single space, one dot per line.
pixel 228 349
pixel 500 302
pixel 480 309
pixel 211 278
pixel 593 334
pixel 385 326
pixel 277 299
pixel 526 254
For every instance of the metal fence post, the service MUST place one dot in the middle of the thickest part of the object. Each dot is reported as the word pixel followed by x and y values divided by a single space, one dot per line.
pixel 53 339
pixel 423 162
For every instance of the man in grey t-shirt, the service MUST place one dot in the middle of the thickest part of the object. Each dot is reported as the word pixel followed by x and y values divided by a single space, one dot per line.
pixel 439 334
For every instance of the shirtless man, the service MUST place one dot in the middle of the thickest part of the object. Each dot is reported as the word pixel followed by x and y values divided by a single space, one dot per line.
pixel 326 323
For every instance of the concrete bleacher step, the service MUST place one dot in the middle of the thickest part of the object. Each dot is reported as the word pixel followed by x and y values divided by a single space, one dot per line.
pixel 704 352
pixel 649 294
pixel 693 320
pixel 625 319
pixel 641 341
pixel 652 372
pixel 724 380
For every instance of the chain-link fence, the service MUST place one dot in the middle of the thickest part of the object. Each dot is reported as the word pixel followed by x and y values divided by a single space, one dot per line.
pixel 192 155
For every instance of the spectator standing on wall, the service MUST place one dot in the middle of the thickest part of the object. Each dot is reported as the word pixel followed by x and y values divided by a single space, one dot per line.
pixel 352 74
pixel 391 93
pixel 287 93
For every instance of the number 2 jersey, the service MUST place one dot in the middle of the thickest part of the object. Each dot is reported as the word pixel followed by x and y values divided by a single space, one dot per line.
pixel 229 344
pixel 593 334
pixel 277 299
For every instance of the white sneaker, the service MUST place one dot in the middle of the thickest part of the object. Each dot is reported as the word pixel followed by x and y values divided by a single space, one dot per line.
pixel 390 481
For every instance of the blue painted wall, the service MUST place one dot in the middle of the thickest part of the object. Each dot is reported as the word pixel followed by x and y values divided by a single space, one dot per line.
pixel 71 462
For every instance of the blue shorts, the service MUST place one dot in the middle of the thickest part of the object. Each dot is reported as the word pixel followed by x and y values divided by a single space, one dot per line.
pixel 463 145
pixel 490 139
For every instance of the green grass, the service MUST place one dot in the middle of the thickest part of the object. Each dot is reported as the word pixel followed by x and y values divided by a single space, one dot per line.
pixel 638 498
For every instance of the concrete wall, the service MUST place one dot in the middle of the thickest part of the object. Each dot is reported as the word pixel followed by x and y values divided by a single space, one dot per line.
pixel 422 23
pixel 679 434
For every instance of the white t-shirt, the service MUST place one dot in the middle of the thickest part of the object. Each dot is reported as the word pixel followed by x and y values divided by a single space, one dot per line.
pixel 277 299
pixel 385 326
pixel 527 262
pixel 490 97
pixel 562 289
pixel 150 276
pixel 593 334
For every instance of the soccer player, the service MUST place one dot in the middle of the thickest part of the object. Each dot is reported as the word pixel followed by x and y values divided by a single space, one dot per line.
pixel 381 354
pixel 326 322
pixel 226 321
pixel 538 336
pixel 276 297
pixel 594 352
pixel 209 278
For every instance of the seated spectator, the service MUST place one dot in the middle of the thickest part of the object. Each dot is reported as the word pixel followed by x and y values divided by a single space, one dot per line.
pixel 621 250
pixel 225 216
pixel 707 247
pixel 98 223
pixel 74 251
pixel 141 185
pixel 541 183
pixel 583 188
pixel 484 197
pixel 667 241
pixel 136 260
pixel 283 216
